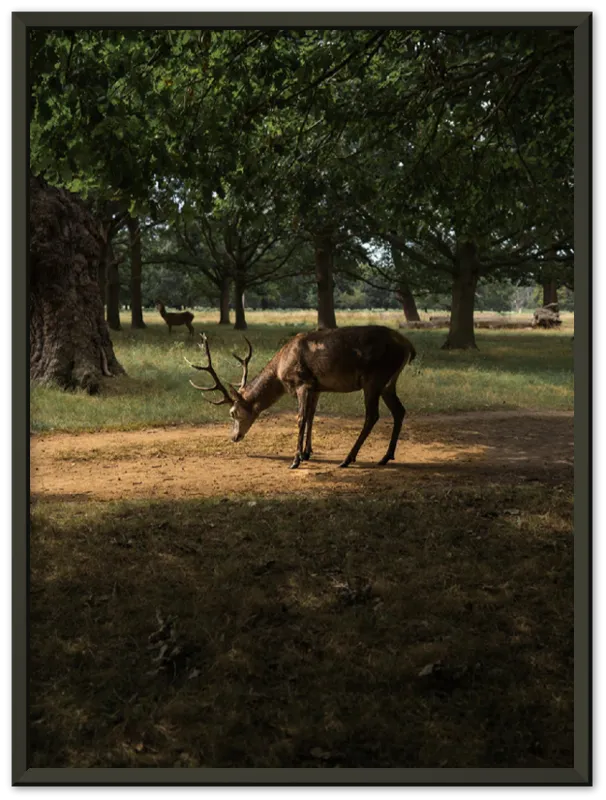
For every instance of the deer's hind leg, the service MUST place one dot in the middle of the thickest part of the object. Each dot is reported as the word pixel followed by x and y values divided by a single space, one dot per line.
pixel 398 412
pixel 371 400
pixel 190 328
pixel 392 401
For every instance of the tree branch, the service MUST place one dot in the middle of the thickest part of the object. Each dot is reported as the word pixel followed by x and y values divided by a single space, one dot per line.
pixel 415 255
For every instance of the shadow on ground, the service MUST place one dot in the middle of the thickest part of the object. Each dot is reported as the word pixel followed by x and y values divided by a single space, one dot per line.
pixel 424 620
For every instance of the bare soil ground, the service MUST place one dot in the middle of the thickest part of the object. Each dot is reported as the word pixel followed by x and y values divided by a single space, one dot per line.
pixel 202 462
pixel 195 603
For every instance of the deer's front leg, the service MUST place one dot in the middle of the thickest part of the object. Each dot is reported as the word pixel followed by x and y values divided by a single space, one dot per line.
pixel 311 410
pixel 304 396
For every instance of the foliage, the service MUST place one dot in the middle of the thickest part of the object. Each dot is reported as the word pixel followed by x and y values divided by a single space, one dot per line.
pixel 247 143
pixel 500 176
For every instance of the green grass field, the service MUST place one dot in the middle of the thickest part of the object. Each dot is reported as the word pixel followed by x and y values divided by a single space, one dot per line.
pixel 511 369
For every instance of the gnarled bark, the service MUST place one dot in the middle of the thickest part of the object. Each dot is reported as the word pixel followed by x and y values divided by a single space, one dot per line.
pixel 69 339
pixel 101 278
pixel 547 317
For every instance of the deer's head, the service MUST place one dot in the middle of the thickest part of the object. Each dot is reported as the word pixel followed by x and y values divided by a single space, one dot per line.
pixel 242 412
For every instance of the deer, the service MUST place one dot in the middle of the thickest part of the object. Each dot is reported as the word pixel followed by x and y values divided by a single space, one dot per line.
pixel 368 358
pixel 175 318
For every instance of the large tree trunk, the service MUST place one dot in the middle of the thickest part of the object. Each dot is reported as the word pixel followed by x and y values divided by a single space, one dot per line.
pixel 550 292
pixel 101 278
pixel 461 335
pixel 112 289
pixel 405 296
pixel 136 309
pixel 240 324
pixel 403 292
pixel 323 246
pixel 69 339
pixel 224 302
pixel 548 278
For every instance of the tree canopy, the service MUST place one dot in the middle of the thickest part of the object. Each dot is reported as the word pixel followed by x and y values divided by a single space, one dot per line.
pixel 447 152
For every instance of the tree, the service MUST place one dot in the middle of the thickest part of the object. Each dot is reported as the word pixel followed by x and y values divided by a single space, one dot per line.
pixel 244 251
pixel 69 339
pixel 78 142
pixel 300 88
pixel 188 268
pixel 488 116
pixel 453 148
pixel 106 123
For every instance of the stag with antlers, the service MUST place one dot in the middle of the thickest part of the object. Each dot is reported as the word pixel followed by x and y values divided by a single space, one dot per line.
pixel 369 358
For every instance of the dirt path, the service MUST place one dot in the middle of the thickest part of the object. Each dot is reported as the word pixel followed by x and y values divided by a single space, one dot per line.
pixel 202 462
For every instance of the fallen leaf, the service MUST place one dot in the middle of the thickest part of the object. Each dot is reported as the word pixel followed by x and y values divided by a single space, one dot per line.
pixel 429 669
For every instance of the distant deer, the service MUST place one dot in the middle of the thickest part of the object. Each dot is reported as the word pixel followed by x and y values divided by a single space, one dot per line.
pixel 370 358
pixel 176 318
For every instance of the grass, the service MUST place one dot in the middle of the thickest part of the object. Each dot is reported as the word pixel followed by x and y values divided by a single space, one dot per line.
pixel 427 627
pixel 512 369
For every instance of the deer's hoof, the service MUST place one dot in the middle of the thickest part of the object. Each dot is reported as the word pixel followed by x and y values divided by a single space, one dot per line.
pixel 385 460
pixel 294 464
pixel 305 456
pixel 344 464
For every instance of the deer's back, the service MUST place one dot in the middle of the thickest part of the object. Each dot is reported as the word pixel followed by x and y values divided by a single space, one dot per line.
pixel 344 359
pixel 178 316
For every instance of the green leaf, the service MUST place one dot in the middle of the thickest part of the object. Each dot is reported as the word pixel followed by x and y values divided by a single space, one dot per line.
pixel 65 173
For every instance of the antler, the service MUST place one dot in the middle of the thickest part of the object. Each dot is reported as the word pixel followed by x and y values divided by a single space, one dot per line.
pixel 244 361
pixel 218 385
